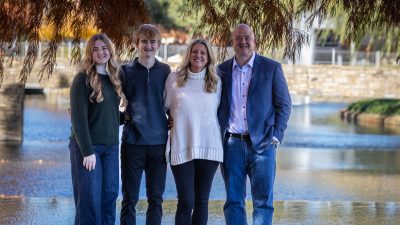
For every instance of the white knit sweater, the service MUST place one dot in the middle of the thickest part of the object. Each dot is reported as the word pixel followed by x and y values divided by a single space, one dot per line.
pixel 195 133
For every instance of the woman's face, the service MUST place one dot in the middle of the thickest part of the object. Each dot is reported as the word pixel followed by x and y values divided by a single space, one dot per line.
pixel 198 57
pixel 100 54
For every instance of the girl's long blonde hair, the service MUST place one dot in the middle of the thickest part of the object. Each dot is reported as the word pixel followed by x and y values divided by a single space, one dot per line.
pixel 112 68
pixel 211 74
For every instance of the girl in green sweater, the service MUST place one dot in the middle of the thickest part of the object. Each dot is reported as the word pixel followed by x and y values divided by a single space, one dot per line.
pixel 95 101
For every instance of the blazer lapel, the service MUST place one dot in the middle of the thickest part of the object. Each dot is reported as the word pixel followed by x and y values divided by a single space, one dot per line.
pixel 228 80
pixel 254 75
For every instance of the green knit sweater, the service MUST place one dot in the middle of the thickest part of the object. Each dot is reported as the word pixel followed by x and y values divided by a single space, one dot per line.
pixel 93 123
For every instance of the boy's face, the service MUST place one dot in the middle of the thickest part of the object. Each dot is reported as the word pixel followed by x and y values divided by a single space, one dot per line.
pixel 147 47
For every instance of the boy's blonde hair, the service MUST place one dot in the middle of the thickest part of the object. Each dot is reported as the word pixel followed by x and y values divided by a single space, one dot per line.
pixel 147 31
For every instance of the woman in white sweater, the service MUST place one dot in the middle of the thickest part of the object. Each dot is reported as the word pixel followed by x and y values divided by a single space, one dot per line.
pixel 194 148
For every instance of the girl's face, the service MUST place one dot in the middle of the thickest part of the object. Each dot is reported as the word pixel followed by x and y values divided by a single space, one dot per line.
pixel 101 54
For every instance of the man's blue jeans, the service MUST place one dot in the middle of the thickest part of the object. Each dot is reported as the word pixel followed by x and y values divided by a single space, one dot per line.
pixel 240 161
pixel 96 191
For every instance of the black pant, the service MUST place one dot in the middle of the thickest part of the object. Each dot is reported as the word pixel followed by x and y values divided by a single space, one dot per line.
pixel 135 159
pixel 193 181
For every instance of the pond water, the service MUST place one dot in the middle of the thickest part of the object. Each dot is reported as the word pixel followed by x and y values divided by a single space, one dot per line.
pixel 321 158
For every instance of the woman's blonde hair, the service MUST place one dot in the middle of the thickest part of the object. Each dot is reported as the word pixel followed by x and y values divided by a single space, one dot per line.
pixel 112 68
pixel 211 74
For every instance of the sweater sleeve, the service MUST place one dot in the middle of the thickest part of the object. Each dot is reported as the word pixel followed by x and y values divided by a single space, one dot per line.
pixel 219 90
pixel 122 78
pixel 79 104
pixel 167 91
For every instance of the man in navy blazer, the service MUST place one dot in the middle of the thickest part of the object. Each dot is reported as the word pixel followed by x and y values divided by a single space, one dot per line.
pixel 253 113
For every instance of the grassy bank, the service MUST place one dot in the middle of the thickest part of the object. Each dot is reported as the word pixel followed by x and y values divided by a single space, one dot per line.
pixel 386 107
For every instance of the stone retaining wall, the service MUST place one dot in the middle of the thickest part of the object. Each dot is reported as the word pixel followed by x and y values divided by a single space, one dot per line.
pixel 11 113
pixel 391 122
pixel 343 83
pixel 12 95
pixel 320 82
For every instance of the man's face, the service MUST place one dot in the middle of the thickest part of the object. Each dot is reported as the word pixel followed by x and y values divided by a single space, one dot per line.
pixel 147 47
pixel 243 41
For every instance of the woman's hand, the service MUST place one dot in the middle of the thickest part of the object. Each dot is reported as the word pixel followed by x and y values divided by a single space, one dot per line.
pixel 89 162
pixel 170 122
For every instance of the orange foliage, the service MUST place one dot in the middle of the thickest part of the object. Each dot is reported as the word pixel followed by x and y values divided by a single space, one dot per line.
pixel 46 31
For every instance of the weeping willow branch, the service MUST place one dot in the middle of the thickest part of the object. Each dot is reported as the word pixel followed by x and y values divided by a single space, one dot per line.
pixel 49 60
pixel 29 61
pixel 78 27
pixel 273 23
pixel 20 21
pixel 33 40
pixel 362 15
pixel 1 63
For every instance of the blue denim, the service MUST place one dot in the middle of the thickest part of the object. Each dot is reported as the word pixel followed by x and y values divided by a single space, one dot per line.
pixel 240 161
pixel 96 191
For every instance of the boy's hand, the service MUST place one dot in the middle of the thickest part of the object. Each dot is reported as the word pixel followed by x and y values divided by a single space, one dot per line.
pixel 127 117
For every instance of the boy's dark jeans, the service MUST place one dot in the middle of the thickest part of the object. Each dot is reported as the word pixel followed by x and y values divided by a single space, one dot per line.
pixel 134 160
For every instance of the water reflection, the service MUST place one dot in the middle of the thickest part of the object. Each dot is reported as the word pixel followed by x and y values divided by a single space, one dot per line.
pixel 60 211
pixel 332 159
pixel 337 213
pixel 321 158
pixel 9 152
pixel 319 126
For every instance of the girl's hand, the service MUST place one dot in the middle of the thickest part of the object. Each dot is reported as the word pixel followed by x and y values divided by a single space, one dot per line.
pixel 89 162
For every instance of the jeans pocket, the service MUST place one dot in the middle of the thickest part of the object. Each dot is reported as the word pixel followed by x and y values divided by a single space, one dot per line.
pixel 269 151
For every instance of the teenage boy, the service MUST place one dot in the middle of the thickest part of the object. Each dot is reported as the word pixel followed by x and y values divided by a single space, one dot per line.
pixel 145 135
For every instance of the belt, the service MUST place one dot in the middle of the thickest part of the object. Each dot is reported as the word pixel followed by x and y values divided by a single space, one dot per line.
pixel 243 137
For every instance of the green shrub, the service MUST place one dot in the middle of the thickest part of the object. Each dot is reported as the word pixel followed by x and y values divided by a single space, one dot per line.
pixel 376 106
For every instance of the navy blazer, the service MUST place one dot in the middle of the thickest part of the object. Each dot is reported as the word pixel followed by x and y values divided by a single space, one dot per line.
pixel 268 102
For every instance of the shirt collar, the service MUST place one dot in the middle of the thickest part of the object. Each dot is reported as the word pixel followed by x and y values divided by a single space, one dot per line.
pixel 249 63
